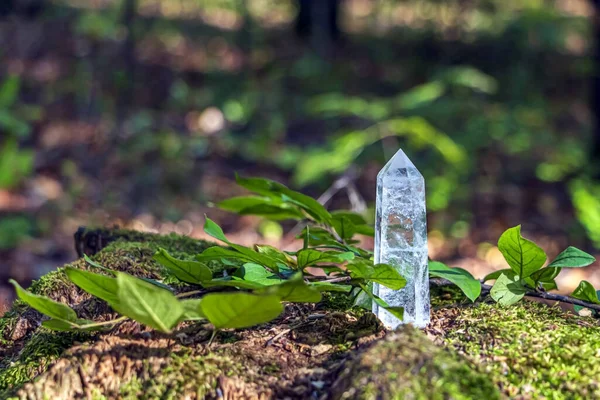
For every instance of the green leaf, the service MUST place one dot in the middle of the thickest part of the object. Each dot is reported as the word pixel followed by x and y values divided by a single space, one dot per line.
pixel 331 287
pixel 293 290
pixel 274 253
pixel 545 275
pixel 273 212
pixel 316 236
pixel 355 218
pixel 240 310
pixel 361 269
pixel 507 291
pixel 344 227
pixel 246 255
pixel 101 286
pixel 572 257
pixel 549 285
pixel 368 290
pixel 237 204
pixel 157 283
pixel 78 325
pixel 192 311
pixel 186 271
pixel 586 292
pixel 470 286
pixel 387 276
pixel 523 256
pixel 579 308
pixel 257 273
pixel 307 257
pixel 9 90
pixel 383 274
pixel 271 188
pixel 366 230
pixel 45 305
pixel 97 265
pixel 147 303
pixel 220 253
pixel 398 312
pixel 496 274
pixel 214 230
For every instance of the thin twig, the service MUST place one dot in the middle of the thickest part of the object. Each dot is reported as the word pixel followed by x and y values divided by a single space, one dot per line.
pixel 97 324
pixel 532 293
pixel 335 280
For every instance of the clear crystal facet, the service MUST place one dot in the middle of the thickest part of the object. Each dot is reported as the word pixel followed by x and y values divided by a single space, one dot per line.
pixel 401 240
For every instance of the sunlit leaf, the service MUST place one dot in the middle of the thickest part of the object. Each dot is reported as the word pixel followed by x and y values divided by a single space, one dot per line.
pixel 240 310
pixel 45 305
pixel 507 291
pixel 307 257
pixel 271 188
pixel 186 271
pixel 101 286
pixel 523 256
pixel 147 303
pixel 572 257
pixel 192 310
pixel 257 273
pixel 470 286
pixel 293 290
pixel 586 292
pixel 344 227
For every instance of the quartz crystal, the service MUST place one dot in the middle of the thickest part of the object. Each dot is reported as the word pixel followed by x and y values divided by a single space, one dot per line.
pixel 401 241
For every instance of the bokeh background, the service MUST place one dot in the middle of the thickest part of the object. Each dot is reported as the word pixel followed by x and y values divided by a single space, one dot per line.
pixel 137 113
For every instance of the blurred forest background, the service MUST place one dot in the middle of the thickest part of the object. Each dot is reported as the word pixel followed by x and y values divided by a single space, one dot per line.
pixel 137 113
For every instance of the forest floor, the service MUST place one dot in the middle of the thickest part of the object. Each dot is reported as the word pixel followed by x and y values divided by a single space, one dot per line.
pixel 161 165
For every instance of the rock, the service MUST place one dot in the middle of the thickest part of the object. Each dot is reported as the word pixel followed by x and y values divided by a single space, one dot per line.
pixel 529 350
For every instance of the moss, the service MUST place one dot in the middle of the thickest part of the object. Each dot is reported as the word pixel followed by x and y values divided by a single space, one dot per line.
pixel 407 365
pixel 444 296
pixel 531 349
pixel 120 255
pixel 40 350
pixel 184 375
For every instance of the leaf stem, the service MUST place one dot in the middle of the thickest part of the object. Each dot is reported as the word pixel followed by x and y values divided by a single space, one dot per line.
pixel 335 280
pixel 97 324
pixel 188 294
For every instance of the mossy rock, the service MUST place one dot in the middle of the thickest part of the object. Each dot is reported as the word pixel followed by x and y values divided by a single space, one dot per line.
pixel 327 350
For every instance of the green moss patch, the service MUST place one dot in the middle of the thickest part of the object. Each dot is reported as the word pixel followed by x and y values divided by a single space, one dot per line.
pixel 407 365
pixel 530 350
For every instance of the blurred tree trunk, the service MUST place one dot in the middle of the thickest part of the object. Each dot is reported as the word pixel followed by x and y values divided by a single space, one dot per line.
pixel 128 56
pixel 23 8
pixel 595 95
pixel 318 21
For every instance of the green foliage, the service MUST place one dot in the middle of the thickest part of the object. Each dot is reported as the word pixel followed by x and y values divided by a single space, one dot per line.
pixel 240 310
pixel 263 277
pixel 186 271
pixel 586 292
pixel 508 290
pixel 46 305
pixel 526 260
pixel 523 256
pixel 460 277
pixel 147 303
pixel 13 229
pixel 15 164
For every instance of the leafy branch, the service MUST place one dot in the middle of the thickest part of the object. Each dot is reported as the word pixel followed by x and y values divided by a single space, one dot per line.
pixel 262 277
pixel 259 280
